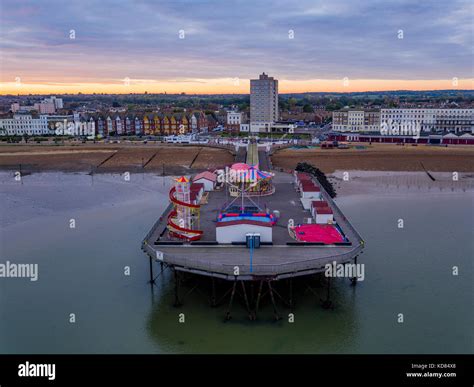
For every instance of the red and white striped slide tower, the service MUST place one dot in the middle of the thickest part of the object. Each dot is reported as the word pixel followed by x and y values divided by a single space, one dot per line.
pixel 183 220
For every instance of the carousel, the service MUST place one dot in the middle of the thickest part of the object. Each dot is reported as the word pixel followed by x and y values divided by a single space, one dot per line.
pixel 247 180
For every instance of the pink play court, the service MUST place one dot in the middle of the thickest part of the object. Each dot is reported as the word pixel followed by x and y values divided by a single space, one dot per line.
pixel 323 233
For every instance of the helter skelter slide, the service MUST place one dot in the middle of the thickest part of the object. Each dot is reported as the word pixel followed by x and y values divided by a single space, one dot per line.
pixel 183 220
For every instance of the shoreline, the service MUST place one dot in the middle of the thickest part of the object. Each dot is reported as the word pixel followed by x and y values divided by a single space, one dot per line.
pixel 396 183
pixel 43 190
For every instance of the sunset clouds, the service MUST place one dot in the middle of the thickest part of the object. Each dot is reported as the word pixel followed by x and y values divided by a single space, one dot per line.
pixel 216 46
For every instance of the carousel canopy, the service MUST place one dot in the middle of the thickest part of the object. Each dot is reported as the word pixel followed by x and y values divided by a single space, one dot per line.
pixel 263 175
pixel 250 172
pixel 240 167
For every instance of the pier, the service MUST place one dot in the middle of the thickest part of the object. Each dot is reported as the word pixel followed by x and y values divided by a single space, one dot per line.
pixel 284 258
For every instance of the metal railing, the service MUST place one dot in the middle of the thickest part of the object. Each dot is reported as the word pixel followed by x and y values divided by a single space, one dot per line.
pixel 259 268
pixel 157 223
pixel 348 224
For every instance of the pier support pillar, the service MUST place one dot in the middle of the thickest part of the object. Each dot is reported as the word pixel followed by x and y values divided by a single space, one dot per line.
pixel 227 315
pixel 247 305
pixel 258 298
pixel 152 280
pixel 213 292
pixel 328 303
pixel 177 303
pixel 275 312
pixel 252 298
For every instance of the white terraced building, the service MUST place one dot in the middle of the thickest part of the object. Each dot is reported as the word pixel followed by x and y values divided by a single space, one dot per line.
pixel 234 118
pixel 441 120
pixel 21 124
pixel 356 121
pixel 446 120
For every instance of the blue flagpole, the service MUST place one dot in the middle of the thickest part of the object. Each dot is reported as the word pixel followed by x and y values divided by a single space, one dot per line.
pixel 251 252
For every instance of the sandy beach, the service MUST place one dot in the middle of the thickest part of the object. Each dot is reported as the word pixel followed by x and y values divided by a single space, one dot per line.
pixel 381 157
pixel 175 159
pixel 112 158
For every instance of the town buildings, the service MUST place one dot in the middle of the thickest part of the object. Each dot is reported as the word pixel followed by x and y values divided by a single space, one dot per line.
pixel 356 120
pixel 57 102
pixel 429 120
pixel 234 119
pixel 21 124
pixel 43 124
pixel 150 123
pixel 432 139
pixel 46 106
pixel 438 120
pixel 106 124
pixel 317 117
pixel 237 122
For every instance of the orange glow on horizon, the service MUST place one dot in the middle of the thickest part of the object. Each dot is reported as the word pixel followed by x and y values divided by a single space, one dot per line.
pixel 228 86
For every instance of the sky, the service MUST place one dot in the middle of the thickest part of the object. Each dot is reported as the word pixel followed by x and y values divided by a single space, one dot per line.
pixel 216 46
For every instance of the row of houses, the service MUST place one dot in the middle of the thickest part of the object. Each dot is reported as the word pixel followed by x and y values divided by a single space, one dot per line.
pixel 108 124
pixel 153 124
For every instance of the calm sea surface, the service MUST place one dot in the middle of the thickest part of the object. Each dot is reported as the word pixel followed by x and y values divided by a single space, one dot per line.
pixel 81 271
